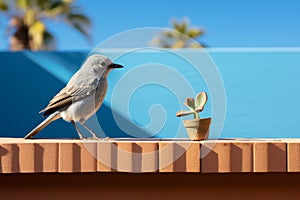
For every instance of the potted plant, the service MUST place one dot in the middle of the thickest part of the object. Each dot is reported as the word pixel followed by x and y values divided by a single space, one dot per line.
pixel 198 129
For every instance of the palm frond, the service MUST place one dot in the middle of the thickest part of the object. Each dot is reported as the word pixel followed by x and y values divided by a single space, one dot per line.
pixel 49 40
pixel 3 5
pixel 83 30
pixel 181 36
pixel 36 31
pixel 22 4
pixel 80 23
pixel 56 8
pixel 41 4
pixel 79 18
pixel 194 33
pixel 31 17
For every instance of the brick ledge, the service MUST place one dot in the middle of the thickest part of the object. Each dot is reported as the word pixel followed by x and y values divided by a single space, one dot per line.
pixel 149 155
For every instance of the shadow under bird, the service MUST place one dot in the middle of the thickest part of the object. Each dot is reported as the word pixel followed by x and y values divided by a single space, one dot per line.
pixel 82 96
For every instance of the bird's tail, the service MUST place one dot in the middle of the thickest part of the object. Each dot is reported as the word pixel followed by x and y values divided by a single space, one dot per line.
pixel 54 116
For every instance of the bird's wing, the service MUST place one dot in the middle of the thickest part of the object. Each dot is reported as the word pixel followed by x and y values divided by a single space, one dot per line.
pixel 62 99
pixel 83 83
pixel 66 96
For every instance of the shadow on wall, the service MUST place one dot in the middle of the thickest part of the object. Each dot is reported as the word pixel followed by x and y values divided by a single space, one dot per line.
pixel 27 85
pixel 111 129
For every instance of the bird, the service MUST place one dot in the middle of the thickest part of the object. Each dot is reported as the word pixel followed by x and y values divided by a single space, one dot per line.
pixel 81 97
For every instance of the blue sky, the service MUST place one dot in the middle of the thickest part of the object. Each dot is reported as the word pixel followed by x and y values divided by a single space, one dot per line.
pixel 230 23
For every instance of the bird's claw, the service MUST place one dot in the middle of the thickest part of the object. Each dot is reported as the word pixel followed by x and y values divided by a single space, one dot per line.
pixel 97 138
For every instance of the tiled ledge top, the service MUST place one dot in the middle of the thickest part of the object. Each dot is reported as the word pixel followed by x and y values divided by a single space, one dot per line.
pixel 18 155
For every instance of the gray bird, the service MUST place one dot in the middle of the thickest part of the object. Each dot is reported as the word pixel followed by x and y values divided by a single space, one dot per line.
pixel 82 96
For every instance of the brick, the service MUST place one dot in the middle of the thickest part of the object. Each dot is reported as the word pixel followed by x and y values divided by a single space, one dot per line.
pixel 88 156
pixel 145 157
pixel 46 157
pixel 107 156
pixel 270 157
pixel 241 157
pixel 293 157
pixel 166 157
pixel 69 157
pixel 226 157
pixel 215 157
pixel 26 157
pixel 128 156
pixel 124 156
pixel 179 156
pixel 78 156
pixel 9 158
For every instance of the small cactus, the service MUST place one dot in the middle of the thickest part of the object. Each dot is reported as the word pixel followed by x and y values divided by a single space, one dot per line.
pixel 195 106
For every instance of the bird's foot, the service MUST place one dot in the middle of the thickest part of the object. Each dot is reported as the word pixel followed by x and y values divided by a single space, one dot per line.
pixel 109 139
pixel 97 138
pixel 101 139
pixel 90 138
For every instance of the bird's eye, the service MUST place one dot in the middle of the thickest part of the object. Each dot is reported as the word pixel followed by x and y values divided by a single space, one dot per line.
pixel 96 68
pixel 103 63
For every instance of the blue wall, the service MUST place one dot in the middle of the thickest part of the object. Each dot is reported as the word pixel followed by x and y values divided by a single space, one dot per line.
pixel 262 98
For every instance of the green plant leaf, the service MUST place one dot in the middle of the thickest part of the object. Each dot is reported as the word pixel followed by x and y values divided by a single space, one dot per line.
pixel 168 34
pixel 81 29
pixel 80 23
pixel 195 45
pixel 180 27
pixel 184 113
pixel 41 4
pixel 201 100
pixel 194 33
pixel 49 40
pixel 22 4
pixel 79 18
pixel 178 44
pixel 36 31
pixel 68 1
pixel 3 6
pixel 30 17
pixel 34 13
pixel 190 103
pixel 37 28
pixel 180 36
pixel 56 8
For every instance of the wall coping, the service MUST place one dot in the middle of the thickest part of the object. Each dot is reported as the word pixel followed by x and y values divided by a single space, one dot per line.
pixel 254 155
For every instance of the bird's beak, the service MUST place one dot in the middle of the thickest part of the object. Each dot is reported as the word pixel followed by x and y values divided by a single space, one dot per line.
pixel 113 65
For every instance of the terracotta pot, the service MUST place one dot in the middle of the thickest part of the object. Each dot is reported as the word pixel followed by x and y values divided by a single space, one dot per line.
pixel 198 129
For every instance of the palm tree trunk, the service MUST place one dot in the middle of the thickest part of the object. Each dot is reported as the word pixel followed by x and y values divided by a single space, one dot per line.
pixel 20 40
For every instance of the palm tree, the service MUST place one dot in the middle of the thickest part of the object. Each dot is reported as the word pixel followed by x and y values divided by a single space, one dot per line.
pixel 27 27
pixel 182 36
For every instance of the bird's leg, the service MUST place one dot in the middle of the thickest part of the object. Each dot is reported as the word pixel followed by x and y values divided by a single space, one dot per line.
pixel 90 130
pixel 78 131
pixel 109 139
